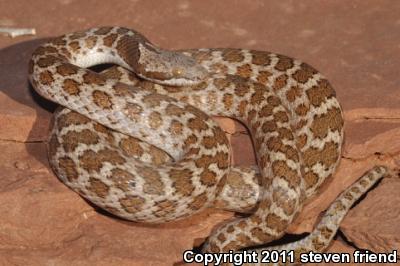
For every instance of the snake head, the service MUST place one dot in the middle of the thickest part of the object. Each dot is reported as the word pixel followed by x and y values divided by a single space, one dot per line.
pixel 169 67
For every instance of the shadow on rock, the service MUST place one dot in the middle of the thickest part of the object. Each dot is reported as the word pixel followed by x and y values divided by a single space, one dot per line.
pixel 15 85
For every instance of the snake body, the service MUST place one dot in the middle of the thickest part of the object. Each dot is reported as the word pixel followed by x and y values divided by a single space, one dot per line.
pixel 143 146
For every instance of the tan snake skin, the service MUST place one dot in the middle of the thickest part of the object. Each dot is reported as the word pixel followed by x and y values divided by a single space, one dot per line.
pixel 149 152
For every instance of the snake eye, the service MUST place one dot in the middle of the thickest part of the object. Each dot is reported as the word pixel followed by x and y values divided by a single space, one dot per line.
pixel 178 72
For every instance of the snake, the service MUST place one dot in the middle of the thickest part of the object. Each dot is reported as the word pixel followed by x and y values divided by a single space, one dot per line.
pixel 138 139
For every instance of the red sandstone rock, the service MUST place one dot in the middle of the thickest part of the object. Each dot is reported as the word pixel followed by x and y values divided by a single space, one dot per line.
pixel 354 45
pixel 375 223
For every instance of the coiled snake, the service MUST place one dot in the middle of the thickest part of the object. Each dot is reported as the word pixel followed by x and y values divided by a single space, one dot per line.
pixel 144 147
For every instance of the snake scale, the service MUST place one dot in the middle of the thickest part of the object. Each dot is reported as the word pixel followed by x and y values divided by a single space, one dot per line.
pixel 137 140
